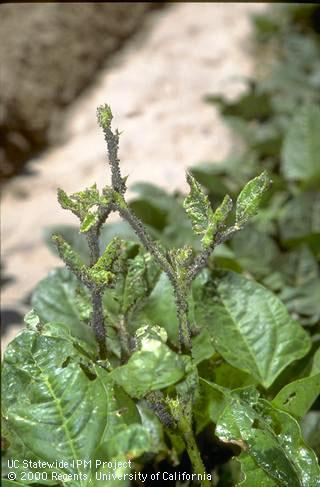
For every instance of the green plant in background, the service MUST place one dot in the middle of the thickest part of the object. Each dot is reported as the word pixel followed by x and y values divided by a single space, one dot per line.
pixel 172 332
pixel 138 351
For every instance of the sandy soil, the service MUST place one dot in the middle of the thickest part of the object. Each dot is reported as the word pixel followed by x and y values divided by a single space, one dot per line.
pixel 155 88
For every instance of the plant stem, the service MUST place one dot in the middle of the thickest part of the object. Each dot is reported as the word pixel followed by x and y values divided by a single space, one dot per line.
pixel 97 322
pixel 193 451
pixel 182 311
pixel 93 243
pixel 119 204
pixel 97 319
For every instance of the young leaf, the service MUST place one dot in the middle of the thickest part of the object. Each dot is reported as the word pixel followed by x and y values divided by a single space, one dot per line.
pixel 301 147
pixel 88 222
pixel 250 326
pixel 141 276
pixel 204 221
pixel 217 219
pixel 80 203
pixel 180 259
pixel 250 197
pixel 69 256
pixel 67 203
pixel 110 255
pixel 104 115
pixel 197 206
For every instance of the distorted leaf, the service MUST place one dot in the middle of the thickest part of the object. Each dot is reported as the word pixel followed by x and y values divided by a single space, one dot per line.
pixel 197 206
pixel 88 222
pixel 250 198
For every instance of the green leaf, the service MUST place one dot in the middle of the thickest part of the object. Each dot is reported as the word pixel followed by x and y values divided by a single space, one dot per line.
pixel 272 439
pixel 152 368
pixel 52 410
pixel 197 206
pixel 250 198
pixel 122 412
pixel 310 426
pixel 297 397
pixel 250 326
pixel 253 473
pixel 56 299
pixel 301 148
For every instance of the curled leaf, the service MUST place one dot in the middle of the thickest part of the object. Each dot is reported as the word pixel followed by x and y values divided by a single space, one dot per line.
pixel 250 198
pixel 104 115
pixel 88 222
pixel 217 220
pixel 197 206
